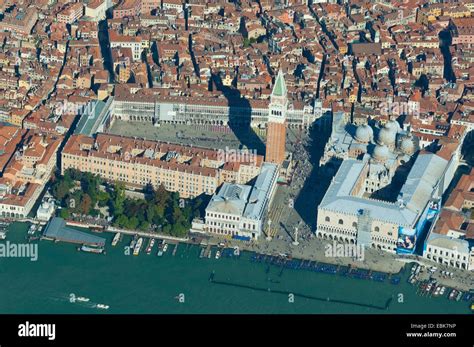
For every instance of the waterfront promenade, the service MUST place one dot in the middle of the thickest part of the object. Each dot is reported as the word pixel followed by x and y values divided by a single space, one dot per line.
pixel 313 248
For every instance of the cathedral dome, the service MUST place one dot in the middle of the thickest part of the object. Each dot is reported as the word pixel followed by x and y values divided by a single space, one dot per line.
pixel 381 153
pixel 393 125
pixel 387 136
pixel 407 146
pixel 364 133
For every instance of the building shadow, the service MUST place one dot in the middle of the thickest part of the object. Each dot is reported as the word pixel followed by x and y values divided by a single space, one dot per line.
pixel 104 43
pixel 391 192
pixel 467 149
pixel 239 116
pixel 316 184
pixel 445 40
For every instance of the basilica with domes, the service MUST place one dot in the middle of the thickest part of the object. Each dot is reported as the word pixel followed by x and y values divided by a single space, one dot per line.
pixel 384 147
pixel 386 144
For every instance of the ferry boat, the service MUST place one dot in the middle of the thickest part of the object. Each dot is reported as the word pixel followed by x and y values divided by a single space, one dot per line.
pixel 443 289
pixel 165 246
pixel 210 254
pixel 89 249
pixel 218 254
pixel 82 299
pixel 138 246
pixel 150 246
pixel 201 255
pixel 459 296
pixel 453 294
pixel 102 306
pixel 116 239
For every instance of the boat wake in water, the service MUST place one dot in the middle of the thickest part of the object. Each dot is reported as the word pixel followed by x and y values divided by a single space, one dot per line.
pixel 79 300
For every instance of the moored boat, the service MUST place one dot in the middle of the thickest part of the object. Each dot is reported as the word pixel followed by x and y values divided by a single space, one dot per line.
pixel 150 246
pixel 160 249
pixel 32 229
pixel 134 241
pixel 97 229
pixel 395 280
pixel 90 249
pixel 138 246
pixel 116 239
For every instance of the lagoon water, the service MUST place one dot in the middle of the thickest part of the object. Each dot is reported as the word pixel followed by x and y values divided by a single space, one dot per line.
pixel 151 284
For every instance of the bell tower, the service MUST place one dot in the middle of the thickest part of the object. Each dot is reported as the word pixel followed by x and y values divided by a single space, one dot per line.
pixel 276 127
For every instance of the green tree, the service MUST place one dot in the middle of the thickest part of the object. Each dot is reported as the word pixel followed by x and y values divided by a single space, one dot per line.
pixel 144 226
pixel 64 213
pixel 161 196
pixel 122 221
pixel 61 189
pixel 133 223
pixel 118 199
pixel 86 203
pixel 103 198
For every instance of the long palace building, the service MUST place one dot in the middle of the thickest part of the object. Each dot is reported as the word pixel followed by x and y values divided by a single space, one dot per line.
pixel 147 105
pixel 188 170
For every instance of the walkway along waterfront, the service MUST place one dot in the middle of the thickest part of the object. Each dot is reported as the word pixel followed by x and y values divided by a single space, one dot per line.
pixel 313 250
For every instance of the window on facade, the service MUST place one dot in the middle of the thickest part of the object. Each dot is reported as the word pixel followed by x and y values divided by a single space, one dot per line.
pixel 327 219
pixel 341 221
pixel 377 229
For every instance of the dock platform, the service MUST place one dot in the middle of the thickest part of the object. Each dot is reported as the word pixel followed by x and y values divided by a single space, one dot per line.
pixel 56 230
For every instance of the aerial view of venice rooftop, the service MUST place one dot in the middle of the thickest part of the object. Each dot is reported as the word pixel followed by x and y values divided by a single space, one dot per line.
pixel 256 147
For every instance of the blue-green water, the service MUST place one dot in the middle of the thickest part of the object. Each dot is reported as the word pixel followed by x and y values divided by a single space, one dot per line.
pixel 150 284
